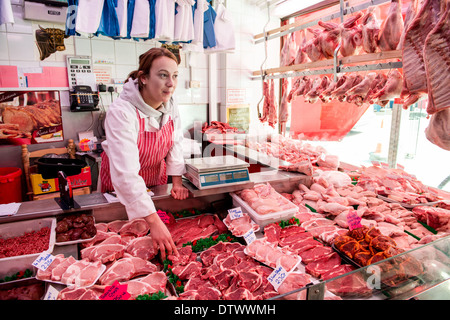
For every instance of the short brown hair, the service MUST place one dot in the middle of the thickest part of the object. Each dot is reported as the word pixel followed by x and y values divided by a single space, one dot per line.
pixel 146 60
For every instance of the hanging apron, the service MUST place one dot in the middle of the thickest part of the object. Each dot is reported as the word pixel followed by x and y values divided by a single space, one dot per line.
pixel 153 148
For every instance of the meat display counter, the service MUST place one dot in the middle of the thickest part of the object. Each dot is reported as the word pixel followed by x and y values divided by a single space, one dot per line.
pixel 421 273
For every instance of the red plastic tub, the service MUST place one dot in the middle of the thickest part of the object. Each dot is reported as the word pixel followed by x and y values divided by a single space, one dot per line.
pixel 10 185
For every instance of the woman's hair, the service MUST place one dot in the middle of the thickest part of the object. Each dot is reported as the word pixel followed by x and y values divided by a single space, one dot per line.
pixel 146 60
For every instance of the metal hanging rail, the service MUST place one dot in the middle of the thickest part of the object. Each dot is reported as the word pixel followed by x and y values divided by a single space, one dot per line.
pixel 293 27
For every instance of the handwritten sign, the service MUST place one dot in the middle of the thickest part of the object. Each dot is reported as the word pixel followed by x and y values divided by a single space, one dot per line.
pixel 353 220
pixel 51 294
pixel 116 292
pixel 43 261
pixel 249 236
pixel 235 213
pixel 164 217
pixel 277 277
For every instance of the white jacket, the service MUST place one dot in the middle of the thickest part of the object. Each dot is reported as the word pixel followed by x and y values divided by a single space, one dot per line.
pixel 122 128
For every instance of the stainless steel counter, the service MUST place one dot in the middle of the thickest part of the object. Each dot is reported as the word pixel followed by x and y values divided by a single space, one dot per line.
pixel 105 211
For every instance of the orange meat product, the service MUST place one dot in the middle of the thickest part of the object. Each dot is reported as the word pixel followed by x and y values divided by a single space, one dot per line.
pixel 350 248
pixel 362 258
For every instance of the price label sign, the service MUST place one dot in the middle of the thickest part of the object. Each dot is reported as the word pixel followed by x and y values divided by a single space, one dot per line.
pixel 277 277
pixel 116 292
pixel 249 236
pixel 353 220
pixel 51 294
pixel 43 261
pixel 164 217
pixel 235 213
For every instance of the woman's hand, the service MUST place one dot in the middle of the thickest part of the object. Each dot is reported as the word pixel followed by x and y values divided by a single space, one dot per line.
pixel 161 236
pixel 178 191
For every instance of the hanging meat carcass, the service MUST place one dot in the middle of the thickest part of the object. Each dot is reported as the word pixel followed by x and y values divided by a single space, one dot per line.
pixel 414 74
pixel 437 61
pixel 266 103
pixel 392 88
pixel 370 27
pixel 351 35
pixel 391 28
pixel 289 51
pixel 301 56
pixel 318 86
pixel 325 95
pixel 295 85
pixel 438 130
pixel 329 38
pixel 273 106
pixel 312 46
pixel 377 85
pixel 351 80
pixel 358 93
pixel 284 107
pixel 304 87
pixel 409 16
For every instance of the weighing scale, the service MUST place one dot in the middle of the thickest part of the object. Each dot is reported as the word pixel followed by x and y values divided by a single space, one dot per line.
pixel 210 172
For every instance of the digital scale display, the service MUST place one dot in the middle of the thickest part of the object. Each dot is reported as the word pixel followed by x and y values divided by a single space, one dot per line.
pixel 225 177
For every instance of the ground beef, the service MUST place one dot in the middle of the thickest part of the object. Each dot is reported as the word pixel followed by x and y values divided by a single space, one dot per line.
pixel 29 243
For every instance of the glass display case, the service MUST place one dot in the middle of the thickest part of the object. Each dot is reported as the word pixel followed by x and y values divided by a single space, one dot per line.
pixel 422 273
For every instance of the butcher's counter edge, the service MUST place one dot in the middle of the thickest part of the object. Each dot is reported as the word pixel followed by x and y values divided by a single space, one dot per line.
pixel 107 211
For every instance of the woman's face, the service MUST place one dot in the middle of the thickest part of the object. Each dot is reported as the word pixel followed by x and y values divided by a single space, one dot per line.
pixel 160 84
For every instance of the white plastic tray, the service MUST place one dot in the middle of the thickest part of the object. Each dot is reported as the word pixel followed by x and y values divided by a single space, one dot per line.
pixel 16 229
pixel 100 272
pixel 263 220
pixel 65 243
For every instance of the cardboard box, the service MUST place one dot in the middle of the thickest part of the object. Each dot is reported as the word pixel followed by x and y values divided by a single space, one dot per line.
pixel 41 186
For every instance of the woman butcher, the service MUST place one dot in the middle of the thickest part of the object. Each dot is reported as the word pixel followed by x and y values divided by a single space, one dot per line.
pixel 143 142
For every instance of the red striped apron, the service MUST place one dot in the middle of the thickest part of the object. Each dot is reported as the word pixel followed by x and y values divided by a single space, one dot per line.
pixel 153 148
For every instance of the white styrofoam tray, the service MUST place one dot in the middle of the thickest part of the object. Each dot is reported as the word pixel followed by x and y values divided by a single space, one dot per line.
pixel 266 219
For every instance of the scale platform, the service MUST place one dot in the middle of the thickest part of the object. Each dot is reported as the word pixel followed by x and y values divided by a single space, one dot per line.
pixel 211 172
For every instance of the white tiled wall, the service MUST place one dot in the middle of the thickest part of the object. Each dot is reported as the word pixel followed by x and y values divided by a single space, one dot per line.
pixel 17 47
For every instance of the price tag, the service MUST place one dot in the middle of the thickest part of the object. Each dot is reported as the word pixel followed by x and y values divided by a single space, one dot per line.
pixel 235 213
pixel 353 220
pixel 277 277
pixel 43 261
pixel 51 294
pixel 116 292
pixel 249 236
pixel 164 217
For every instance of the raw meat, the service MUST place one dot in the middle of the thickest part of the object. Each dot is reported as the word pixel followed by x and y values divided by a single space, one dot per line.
pixel 141 247
pixel 273 106
pixel 240 226
pixel 358 93
pixel 312 47
pixel 301 56
pixel 103 252
pixel 437 59
pixel 350 81
pixel 409 16
pixel 284 107
pixel 294 281
pixel 370 27
pixel 329 38
pixel 351 36
pixel 438 130
pixel 319 85
pixel 125 269
pixel 414 74
pixel 437 218
pixel 391 28
pixel 393 87
pixel 136 227
pixel 323 265
pixel 315 253
pixel 288 52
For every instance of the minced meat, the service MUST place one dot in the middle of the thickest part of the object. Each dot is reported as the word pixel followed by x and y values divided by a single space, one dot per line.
pixel 29 243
